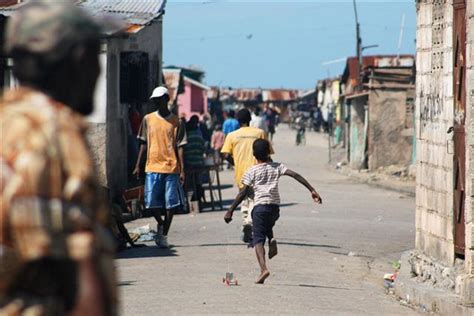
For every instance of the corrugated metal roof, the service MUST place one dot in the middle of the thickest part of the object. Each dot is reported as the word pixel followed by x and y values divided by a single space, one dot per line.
pixel 243 95
pixel 276 95
pixel 135 13
pixel 236 95
pixel 351 74
pixel 140 12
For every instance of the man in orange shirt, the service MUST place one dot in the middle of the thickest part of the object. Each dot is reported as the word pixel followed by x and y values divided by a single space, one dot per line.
pixel 162 137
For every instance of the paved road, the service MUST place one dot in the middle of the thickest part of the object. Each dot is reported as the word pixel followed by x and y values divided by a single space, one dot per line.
pixel 313 272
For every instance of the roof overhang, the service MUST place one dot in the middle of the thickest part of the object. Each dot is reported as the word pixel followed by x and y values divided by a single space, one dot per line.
pixel 129 16
pixel 196 83
pixel 357 95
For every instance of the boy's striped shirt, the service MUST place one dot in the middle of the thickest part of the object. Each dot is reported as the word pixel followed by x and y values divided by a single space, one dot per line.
pixel 263 179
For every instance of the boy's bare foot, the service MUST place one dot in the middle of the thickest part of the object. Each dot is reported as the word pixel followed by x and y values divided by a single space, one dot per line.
pixel 262 277
pixel 272 248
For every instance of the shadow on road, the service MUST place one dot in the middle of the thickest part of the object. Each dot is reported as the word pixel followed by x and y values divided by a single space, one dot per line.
pixel 146 252
pixel 318 286
pixel 242 244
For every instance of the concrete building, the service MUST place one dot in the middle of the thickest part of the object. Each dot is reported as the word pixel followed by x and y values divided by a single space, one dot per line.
pixel 444 254
pixel 379 111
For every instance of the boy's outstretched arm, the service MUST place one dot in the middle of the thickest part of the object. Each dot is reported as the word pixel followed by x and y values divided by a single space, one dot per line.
pixel 315 195
pixel 238 199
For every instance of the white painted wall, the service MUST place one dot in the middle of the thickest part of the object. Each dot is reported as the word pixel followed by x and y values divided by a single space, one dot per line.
pixel 100 97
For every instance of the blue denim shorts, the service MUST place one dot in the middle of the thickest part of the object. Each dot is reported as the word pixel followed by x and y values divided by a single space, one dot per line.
pixel 163 190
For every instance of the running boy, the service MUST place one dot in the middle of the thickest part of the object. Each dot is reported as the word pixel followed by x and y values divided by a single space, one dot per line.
pixel 263 179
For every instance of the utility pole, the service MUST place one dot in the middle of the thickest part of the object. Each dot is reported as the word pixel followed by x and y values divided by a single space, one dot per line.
pixel 359 44
pixel 400 39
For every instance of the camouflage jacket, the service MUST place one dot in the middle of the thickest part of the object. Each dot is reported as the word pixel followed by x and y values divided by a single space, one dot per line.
pixel 49 200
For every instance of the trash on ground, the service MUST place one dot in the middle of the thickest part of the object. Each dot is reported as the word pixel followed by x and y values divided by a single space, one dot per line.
pixel 144 233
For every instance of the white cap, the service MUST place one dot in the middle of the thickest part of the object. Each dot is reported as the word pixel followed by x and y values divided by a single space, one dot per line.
pixel 159 92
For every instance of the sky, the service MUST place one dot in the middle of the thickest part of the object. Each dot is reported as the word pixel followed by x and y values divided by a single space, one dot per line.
pixel 280 44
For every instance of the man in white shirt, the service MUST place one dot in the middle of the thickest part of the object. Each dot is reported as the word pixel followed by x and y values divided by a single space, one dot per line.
pixel 258 120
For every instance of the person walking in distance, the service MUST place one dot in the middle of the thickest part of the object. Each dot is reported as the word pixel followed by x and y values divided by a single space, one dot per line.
pixel 230 123
pixel 258 120
pixel 238 150
pixel 162 137
pixel 271 120
pixel 217 141
pixel 56 257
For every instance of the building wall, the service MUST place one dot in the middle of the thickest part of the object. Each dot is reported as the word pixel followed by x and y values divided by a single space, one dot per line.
pixel 193 101
pixel 184 101
pixel 97 132
pixel 149 40
pixel 96 138
pixel 116 129
pixel 389 142
pixel 470 140
pixel 434 115
pixel 357 134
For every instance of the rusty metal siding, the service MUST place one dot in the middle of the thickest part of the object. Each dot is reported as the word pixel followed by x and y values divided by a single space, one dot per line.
pixel 351 75
pixel 279 95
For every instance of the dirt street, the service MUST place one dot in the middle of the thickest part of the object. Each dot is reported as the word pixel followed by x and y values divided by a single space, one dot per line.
pixel 331 258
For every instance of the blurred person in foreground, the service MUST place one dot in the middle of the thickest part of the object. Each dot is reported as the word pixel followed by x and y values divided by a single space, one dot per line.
pixel 55 255
pixel 238 150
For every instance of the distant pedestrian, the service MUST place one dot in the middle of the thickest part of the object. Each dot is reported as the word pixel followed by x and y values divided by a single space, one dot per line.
pixel 258 120
pixel 262 181
pixel 238 150
pixel 271 121
pixel 194 149
pixel 206 132
pixel 194 152
pixel 230 124
pixel 162 138
pixel 217 142
pixel 300 131
pixel 318 119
